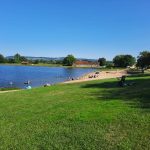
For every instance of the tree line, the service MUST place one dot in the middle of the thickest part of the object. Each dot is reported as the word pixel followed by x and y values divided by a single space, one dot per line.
pixel 17 58
pixel 142 61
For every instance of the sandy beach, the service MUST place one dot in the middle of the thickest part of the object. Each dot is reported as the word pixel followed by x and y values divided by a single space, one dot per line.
pixel 97 75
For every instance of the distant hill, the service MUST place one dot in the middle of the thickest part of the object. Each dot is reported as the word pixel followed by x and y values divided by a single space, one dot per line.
pixel 49 58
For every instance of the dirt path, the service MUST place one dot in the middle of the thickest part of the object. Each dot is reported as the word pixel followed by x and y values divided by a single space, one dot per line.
pixel 8 91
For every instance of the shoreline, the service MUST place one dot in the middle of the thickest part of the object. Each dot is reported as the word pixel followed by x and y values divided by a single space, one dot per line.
pixel 94 75
pixel 98 75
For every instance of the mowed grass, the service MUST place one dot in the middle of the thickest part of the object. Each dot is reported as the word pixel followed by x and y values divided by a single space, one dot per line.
pixel 91 115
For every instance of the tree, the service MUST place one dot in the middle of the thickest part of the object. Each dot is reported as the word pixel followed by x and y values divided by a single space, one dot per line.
pixel 69 60
pixel 22 58
pixel 2 59
pixel 36 61
pixel 17 58
pixel 102 61
pixel 10 60
pixel 123 60
pixel 143 60
pixel 109 64
pixel 59 61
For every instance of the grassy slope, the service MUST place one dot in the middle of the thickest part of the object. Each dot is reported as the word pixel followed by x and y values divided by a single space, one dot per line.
pixel 91 115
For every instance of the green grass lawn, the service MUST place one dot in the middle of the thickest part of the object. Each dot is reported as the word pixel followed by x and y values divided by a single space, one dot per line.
pixel 89 116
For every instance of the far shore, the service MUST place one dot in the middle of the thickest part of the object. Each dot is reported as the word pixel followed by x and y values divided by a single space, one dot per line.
pixel 59 65
pixel 44 65
pixel 40 64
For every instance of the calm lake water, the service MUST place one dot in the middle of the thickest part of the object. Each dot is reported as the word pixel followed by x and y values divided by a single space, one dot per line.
pixel 37 75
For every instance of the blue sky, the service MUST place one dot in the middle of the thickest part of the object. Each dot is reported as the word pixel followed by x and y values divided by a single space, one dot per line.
pixel 84 28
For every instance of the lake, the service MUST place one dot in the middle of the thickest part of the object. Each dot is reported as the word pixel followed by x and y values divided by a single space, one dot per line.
pixel 18 75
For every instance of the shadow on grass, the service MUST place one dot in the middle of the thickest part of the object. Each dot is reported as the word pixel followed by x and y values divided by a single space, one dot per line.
pixel 141 75
pixel 137 95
